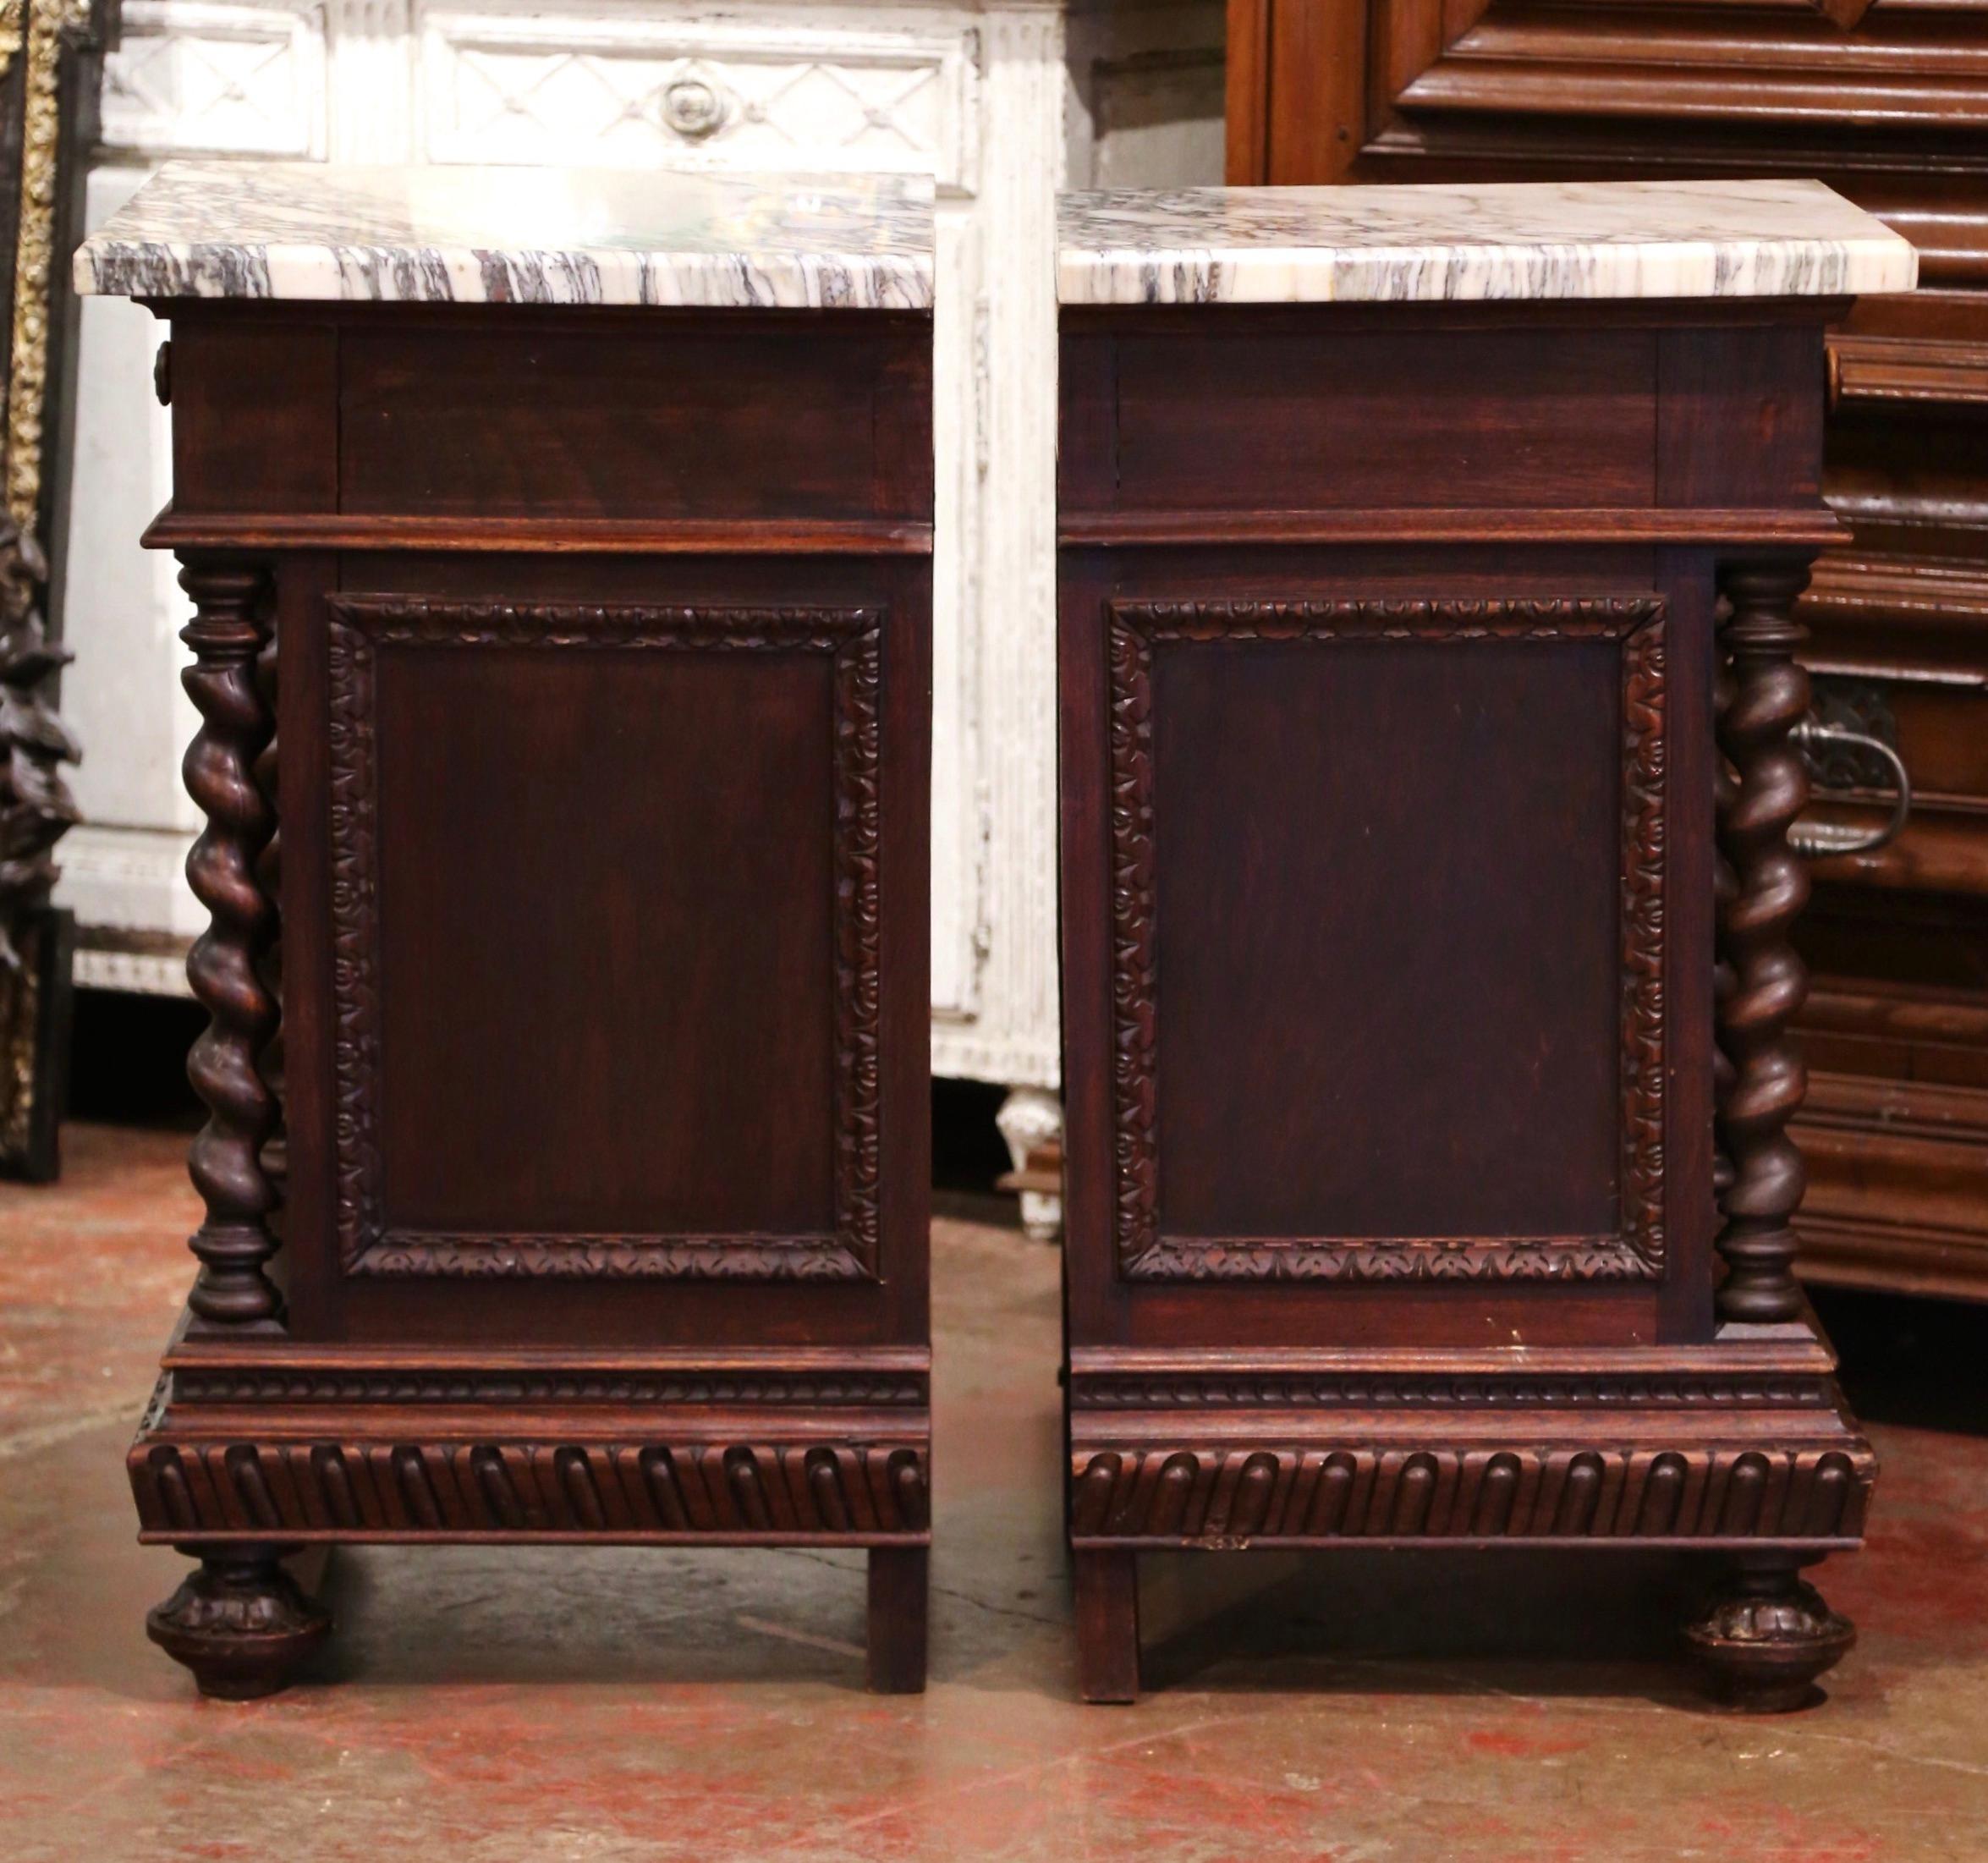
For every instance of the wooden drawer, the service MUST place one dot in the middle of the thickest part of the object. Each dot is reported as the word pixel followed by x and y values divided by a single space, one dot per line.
pixel 434 414
pixel 1279 419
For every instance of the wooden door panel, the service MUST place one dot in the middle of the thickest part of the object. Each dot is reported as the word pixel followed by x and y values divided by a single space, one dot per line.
pixel 726 903
pixel 1275 962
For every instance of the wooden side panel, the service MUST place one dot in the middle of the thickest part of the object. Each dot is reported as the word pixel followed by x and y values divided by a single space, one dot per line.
pixel 1287 418
pixel 1334 1059
pixel 620 1007
pixel 255 413
pixel 1741 415
pixel 631 847
pixel 717 418
pixel 1271 922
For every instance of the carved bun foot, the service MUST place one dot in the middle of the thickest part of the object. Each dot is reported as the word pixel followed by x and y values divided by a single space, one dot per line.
pixel 240 1623
pixel 1765 1638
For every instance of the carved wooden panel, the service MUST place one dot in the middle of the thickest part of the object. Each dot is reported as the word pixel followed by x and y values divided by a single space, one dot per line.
pixel 1314 1491
pixel 426 1486
pixel 1323 92
pixel 1147 1248
pixel 369 636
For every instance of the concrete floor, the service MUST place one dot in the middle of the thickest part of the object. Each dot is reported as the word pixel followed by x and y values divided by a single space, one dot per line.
pixel 622 1705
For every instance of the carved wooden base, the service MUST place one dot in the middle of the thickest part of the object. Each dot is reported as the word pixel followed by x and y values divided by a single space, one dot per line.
pixel 1765 1637
pixel 251 1443
pixel 240 1623
pixel 1742 1445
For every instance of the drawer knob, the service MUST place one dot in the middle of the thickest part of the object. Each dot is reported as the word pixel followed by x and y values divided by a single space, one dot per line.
pixel 692 108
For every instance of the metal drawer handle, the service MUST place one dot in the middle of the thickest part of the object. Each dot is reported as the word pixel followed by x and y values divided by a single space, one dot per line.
pixel 1819 838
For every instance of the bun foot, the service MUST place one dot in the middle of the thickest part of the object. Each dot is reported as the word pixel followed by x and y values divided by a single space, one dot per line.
pixel 240 1623
pixel 1765 1637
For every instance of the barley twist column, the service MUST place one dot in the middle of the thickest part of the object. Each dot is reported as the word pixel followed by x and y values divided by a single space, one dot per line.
pixel 234 1244
pixel 1762 982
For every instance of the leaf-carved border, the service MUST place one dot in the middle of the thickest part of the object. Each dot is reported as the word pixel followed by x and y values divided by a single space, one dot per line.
pixel 1635 1251
pixel 853 637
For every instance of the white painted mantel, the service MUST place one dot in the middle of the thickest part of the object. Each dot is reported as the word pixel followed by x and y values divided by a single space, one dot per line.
pixel 1000 103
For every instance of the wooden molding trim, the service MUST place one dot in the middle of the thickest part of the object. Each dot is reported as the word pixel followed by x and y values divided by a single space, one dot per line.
pixel 1907 370
pixel 617 1480
pixel 1687 62
pixel 1315 1492
pixel 173 529
pixel 1770 529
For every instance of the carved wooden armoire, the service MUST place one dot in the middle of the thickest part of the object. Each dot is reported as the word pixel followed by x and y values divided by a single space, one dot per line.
pixel 559 550
pixel 1394 527
pixel 1887 102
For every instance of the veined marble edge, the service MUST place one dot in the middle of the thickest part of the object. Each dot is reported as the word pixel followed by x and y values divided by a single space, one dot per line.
pixel 1426 272
pixel 322 233
pixel 322 273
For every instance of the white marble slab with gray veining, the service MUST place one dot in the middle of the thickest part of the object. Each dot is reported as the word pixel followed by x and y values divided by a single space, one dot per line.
pixel 463 235
pixel 1452 244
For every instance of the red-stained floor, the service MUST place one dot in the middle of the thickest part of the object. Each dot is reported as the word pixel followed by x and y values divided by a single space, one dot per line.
pixel 481 1707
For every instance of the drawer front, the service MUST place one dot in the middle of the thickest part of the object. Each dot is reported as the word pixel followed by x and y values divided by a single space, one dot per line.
pixel 749 422
pixel 431 412
pixel 521 88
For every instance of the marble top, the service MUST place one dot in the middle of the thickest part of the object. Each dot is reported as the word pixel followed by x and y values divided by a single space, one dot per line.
pixel 464 235
pixel 1499 240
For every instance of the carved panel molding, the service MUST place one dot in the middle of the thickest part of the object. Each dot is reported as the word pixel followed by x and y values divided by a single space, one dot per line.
pixel 1461 1391
pixel 1636 1249
pixel 1719 70
pixel 507 1487
pixel 689 92
pixel 282 1384
pixel 360 629
pixel 1363 1490
pixel 220 77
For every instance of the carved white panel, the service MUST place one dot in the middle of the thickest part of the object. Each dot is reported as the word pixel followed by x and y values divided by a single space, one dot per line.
pixel 213 78
pixel 630 88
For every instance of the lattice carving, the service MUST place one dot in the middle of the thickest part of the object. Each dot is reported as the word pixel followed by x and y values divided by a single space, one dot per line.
pixel 853 638
pixel 1636 1249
